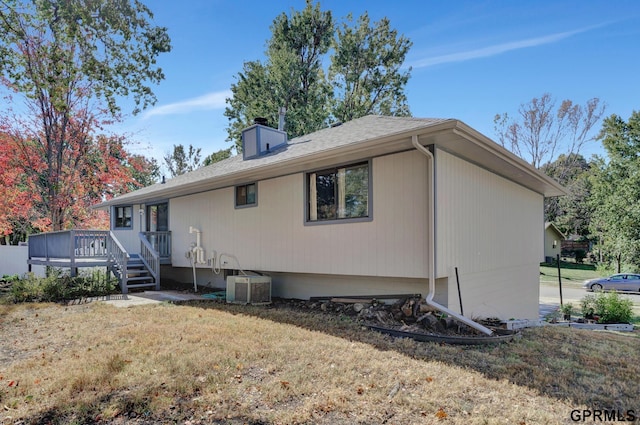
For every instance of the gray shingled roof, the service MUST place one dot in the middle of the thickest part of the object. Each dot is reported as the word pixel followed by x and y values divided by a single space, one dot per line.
pixel 303 153
pixel 360 130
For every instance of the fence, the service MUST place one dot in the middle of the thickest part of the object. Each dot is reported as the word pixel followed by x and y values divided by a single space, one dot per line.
pixel 13 260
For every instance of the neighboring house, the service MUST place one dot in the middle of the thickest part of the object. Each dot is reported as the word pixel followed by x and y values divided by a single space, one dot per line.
pixel 573 243
pixel 347 211
pixel 553 239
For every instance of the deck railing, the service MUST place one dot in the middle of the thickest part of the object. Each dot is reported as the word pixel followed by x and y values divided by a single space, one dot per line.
pixel 71 245
pixel 84 248
pixel 160 242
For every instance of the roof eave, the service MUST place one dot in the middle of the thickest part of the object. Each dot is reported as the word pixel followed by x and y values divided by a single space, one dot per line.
pixel 446 134
pixel 515 168
pixel 374 147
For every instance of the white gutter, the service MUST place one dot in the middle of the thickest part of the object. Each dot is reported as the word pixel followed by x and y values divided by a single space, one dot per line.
pixel 432 244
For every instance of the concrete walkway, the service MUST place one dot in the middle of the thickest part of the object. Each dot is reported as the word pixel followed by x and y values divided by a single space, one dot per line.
pixel 146 297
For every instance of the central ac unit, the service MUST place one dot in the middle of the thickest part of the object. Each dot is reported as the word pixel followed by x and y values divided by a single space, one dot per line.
pixel 249 289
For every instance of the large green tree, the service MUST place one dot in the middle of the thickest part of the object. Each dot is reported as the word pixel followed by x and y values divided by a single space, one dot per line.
pixel 366 70
pixel 364 75
pixel 570 213
pixel 616 192
pixel 291 77
pixel 67 59
pixel 217 156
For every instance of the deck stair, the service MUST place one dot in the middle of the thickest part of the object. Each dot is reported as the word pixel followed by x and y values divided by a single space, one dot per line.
pixel 138 275
pixel 100 248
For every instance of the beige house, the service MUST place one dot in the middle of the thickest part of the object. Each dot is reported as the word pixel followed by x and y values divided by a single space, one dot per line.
pixel 377 205
pixel 552 242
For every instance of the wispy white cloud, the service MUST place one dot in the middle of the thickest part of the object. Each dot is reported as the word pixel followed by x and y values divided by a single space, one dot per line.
pixel 496 49
pixel 215 100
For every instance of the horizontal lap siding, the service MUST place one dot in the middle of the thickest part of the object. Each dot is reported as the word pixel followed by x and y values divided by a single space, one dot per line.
pixel 273 237
pixel 492 230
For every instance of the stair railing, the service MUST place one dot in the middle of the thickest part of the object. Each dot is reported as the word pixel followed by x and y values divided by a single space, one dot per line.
pixel 151 258
pixel 120 258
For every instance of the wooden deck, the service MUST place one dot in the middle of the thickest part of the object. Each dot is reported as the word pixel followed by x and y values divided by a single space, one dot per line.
pixel 74 249
pixel 70 249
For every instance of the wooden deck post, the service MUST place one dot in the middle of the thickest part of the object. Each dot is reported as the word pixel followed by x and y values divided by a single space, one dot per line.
pixel 72 253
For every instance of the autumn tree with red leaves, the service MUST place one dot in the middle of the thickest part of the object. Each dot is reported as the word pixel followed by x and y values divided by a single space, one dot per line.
pixel 65 60
pixel 91 167
pixel 16 206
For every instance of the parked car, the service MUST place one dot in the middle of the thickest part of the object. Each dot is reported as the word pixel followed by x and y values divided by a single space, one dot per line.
pixel 619 282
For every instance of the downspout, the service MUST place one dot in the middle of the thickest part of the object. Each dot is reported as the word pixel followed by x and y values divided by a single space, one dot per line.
pixel 432 243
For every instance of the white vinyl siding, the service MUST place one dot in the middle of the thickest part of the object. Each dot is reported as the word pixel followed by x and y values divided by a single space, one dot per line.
pixel 492 230
pixel 273 236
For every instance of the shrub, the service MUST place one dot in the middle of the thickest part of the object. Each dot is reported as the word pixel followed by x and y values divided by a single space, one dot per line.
pixel 588 306
pixel 567 310
pixel 25 290
pixel 605 269
pixel 59 287
pixel 613 308
pixel 608 307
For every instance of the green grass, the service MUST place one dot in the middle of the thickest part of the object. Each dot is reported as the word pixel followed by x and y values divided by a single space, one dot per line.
pixel 571 273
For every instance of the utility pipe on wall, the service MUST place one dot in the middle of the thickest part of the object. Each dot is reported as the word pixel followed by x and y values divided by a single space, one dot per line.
pixel 198 251
pixel 196 254
pixel 432 243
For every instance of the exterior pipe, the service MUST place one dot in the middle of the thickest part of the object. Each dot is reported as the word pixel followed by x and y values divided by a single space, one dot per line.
pixel 432 243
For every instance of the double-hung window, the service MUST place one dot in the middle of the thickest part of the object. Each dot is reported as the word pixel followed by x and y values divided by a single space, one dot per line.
pixel 339 193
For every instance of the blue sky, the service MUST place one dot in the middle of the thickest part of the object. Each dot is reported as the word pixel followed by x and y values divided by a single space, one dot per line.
pixel 470 59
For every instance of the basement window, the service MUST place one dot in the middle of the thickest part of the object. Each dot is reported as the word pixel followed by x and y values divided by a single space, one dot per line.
pixel 123 217
pixel 340 193
pixel 246 195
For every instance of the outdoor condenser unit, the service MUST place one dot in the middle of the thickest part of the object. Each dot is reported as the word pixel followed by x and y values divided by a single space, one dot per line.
pixel 249 289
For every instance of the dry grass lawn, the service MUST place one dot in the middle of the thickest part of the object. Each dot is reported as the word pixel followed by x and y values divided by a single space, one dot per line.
pixel 217 363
